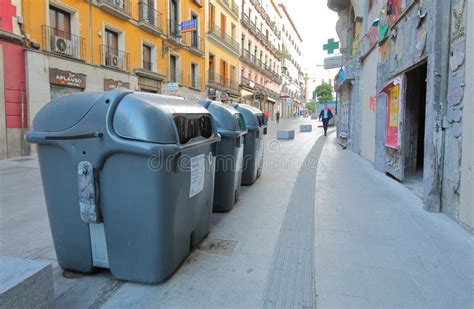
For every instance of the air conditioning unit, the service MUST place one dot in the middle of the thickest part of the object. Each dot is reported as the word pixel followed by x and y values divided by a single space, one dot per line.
pixel 113 61
pixel 62 45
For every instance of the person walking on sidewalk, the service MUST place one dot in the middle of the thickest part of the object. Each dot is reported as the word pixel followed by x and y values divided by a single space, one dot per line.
pixel 278 116
pixel 325 115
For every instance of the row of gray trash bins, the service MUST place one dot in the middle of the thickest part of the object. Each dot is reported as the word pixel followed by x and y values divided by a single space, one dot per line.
pixel 131 179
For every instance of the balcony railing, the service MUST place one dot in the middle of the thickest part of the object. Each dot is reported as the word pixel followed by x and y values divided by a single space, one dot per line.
pixel 223 37
pixel 63 43
pixel 220 80
pixel 174 29
pixel 114 58
pixel 245 81
pixel 175 76
pixel 193 41
pixel 231 5
pixel 119 8
pixel 149 18
pixel 194 82
pixel 147 65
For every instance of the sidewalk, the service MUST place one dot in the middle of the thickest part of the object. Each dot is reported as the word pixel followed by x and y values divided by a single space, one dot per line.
pixel 335 234
pixel 376 246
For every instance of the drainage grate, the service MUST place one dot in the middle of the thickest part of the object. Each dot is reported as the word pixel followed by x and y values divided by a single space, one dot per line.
pixel 216 246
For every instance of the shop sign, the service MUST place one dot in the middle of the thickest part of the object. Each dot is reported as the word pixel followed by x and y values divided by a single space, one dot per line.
pixel 67 78
pixel 392 136
pixel 223 96
pixel 173 86
pixel 110 84
pixel 333 62
pixel 211 93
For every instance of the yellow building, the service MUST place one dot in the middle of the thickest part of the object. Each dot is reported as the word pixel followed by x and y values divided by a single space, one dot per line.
pixel 78 45
pixel 222 48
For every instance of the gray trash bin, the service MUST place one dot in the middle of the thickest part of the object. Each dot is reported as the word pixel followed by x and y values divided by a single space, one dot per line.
pixel 230 151
pixel 128 180
pixel 254 142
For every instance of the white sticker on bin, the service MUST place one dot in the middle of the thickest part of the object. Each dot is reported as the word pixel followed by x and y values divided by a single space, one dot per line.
pixel 198 165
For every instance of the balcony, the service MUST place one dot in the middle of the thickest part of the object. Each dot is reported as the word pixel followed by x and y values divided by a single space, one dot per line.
pixel 250 25
pixel 222 81
pixel 63 43
pixel 231 6
pixel 174 32
pixel 244 81
pixel 193 42
pixel 118 8
pixel 220 36
pixel 114 58
pixel 150 19
pixel 175 76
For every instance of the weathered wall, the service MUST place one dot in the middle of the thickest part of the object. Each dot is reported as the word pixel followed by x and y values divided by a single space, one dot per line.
pixel 466 207
pixel 368 81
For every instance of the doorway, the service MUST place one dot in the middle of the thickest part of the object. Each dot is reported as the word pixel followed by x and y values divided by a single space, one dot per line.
pixel 414 130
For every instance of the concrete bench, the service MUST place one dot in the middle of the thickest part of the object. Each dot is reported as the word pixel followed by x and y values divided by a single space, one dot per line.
pixel 25 283
pixel 306 128
pixel 285 134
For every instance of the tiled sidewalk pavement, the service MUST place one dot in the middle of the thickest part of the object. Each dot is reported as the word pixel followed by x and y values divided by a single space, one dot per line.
pixel 234 276
pixel 377 248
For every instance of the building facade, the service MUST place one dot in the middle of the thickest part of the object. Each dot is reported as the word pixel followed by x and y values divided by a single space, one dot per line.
pixel 223 49
pixel 402 92
pixel 101 45
pixel 13 98
pixel 260 55
pixel 292 91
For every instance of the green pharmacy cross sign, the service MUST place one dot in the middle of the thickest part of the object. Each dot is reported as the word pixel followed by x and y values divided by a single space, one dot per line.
pixel 331 46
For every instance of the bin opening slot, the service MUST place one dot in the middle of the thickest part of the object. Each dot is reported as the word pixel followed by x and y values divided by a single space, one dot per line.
pixel 193 127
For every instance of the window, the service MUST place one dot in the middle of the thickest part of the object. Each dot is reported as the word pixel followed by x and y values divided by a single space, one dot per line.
pixel 233 32
pixel 194 76
pixel 111 42
pixel 60 21
pixel 194 34
pixel 174 73
pixel 174 17
pixel 233 73
pixel 147 65
pixel 212 17
pixel 223 23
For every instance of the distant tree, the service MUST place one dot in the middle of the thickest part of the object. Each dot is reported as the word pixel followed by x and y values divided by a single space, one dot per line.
pixel 323 93
pixel 311 106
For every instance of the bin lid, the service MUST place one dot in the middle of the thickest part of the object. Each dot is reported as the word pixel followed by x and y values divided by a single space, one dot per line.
pixel 150 117
pixel 64 112
pixel 225 116
pixel 252 116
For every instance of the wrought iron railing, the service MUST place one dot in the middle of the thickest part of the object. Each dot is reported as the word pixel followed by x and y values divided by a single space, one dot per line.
pixel 123 5
pixel 224 37
pixel 114 58
pixel 217 79
pixel 174 30
pixel 148 14
pixel 175 76
pixel 63 43
pixel 193 41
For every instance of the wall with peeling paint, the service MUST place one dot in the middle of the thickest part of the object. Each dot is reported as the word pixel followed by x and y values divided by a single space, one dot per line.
pixel 466 207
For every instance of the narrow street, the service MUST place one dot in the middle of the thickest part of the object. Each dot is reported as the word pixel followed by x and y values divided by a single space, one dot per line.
pixel 336 235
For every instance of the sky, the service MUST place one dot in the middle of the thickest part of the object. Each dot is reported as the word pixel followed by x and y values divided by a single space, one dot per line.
pixel 316 24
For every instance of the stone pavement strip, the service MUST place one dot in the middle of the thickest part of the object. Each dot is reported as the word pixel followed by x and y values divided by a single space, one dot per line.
pixel 374 246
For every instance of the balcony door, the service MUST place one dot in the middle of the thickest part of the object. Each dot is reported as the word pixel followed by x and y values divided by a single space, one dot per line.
pixel 212 67
pixel 174 17
pixel 111 42
pixel 224 73
pixel 60 22
pixel 212 17
pixel 223 22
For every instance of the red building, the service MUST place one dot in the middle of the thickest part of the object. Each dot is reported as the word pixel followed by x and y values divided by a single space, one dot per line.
pixel 13 101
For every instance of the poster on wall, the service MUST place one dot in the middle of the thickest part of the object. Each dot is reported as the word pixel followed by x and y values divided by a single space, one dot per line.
pixel 392 132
